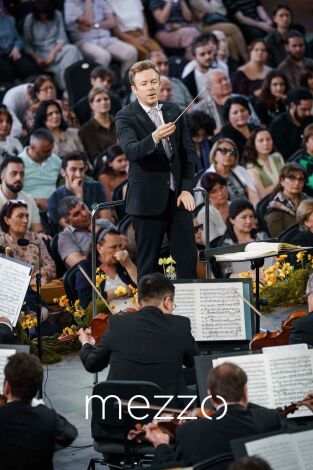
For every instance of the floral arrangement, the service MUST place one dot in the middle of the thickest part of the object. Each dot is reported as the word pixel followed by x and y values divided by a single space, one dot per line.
pixel 168 271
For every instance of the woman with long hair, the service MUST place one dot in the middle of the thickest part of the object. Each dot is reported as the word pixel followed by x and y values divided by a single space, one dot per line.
pixel 114 171
pixel 271 101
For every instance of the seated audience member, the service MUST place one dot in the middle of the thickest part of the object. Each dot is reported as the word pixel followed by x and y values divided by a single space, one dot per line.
pixel 204 51
pixel 113 262
pixel 23 376
pixel 74 242
pixel 223 55
pixel 202 439
pixel 306 79
pixel 249 77
pixel 263 165
pixel 224 161
pixel 302 328
pixel 89 26
pixel 46 40
pixel 100 77
pixel 66 139
pixel 166 343
pixel 180 93
pixel 287 128
pixel 251 17
pixel 276 40
pixel 42 167
pixel 304 217
pixel 165 93
pixel 74 167
pixel 6 331
pixel 8 145
pixel 220 89
pixel 17 100
pixel 281 210
pixel 201 128
pixel 14 218
pixel 13 62
pixel 12 175
pixel 270 102
pixel 241 228
pixel 295 62
pixel 174 24
pixel 216 187
pixel 44 89
pixel 131 26
pixel 214 17
pixel 304 158
pixel 114 171
pixel 99 132
pixel 237 114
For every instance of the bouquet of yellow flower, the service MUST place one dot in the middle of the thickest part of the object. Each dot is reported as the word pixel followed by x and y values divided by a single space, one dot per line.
pixel 170 271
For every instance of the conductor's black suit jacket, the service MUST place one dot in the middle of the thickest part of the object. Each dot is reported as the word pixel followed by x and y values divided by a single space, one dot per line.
pixel 302 330
pixel 149 167
pixel 146 345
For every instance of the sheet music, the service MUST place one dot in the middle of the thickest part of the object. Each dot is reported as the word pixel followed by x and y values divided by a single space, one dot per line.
pixel 215 311
pixel 14 280
pixel 279 451
pixel 4 354
pixel 304 441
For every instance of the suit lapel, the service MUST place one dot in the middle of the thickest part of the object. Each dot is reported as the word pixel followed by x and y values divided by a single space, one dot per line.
pixel 143 118
pixel 168 116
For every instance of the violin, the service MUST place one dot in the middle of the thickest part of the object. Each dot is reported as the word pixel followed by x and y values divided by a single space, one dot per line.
pixel 289 409
pixel 279 337
pixel 3 400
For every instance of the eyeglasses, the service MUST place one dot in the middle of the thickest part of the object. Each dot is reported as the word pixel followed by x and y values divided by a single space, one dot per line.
pixel 15 202
pixel 196 228
pixel 225 150
pixel 301 179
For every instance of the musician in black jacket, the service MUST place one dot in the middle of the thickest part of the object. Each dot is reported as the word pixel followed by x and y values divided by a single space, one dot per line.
pixel 6 331
pixel 161 171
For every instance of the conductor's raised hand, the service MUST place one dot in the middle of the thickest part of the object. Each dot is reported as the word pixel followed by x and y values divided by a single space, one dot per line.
pixel 164 131
pixel 186 198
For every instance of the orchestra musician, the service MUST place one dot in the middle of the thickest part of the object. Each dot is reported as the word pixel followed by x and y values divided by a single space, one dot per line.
pixel 150 345
pixel 6 331
pixel 203 438
pixel 302 328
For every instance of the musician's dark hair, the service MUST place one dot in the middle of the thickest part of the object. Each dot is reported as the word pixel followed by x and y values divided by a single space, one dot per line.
pixel 227 380
pixel 154 287
pixel 24 374
pixel 250 463
pixel 42 112
pixel 210 179
pixel 7 211
pixel 11 159
pixel 203 40
pixel 235 208
pixel 235 100
pixel 76 156
pixel 66 204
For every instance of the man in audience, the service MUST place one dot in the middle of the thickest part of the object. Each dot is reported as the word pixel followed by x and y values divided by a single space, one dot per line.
pixel 12 173
pixel 29 434
pixel 180 93
pixel 203 438
pixel 165 89
pixel 165 340
pixel 74 242
pixel 101 77
pixel 73 169
pixel 42 167
pixel 6 331
pixel 302 328
pixel 287 129
pixel 295 62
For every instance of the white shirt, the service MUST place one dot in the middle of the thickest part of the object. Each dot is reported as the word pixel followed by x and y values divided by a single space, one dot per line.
pixel 219 65
pixel 34 217
pixel 129 14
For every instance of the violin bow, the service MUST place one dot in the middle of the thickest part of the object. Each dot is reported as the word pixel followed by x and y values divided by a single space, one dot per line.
pixel 95 289
pixel 272 326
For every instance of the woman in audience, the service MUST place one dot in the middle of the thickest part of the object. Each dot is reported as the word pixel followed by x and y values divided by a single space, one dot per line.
pixel 263 165
pixel 236 114
pixel 44 89
pixel 114 171
pixel 216 186
pixel 304 158
pixel 14 222
pixel 113 262
pixel 201 127
pixel 46 40
pixel 304 216
pixel 66 139
pixel 276 40
pixel 173 22
pixel 249 77
pixel 270 103
pixel 281 210
pixel 224 161
pixel 99 132
pixel 241 228
pixel 8 145
pixel 306 79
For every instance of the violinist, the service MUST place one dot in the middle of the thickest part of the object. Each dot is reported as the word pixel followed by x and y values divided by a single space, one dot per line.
pixel 150 345
pixel 201 439
pixel 302 328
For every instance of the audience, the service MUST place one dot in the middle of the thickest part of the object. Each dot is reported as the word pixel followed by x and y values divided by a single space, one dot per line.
pixel 304 157
pixel 114 170
pixel 276 40
pixel 201 128
pixel 306 79
pixel 165 93
pixel 8 145
pixel 101 77
pixel 295 61
pixel 271 101
pixel 304 217
pixel 44 89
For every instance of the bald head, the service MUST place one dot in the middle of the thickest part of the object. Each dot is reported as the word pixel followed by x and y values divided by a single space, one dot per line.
pixel 219 85
pixel 229 381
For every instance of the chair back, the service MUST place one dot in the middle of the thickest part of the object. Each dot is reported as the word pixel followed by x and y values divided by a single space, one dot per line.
pixel 69 280
pixel 54 250
pixel 288 234
pixel 260 211
pixel 218 462
pixel 77 80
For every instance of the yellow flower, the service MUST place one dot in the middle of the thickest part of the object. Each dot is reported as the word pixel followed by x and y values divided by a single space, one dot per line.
pixel 100 277
pixel 63 301
pixel 76 303
pixel 170 260
pixel 281 258
pixel 120 291
pixel 79 313
pixel 300 255
pixel 170 269
pixel 132 289
pixel 162 261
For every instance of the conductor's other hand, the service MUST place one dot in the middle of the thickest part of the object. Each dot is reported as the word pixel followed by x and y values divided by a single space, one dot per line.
pixel 187 200
pixel 164 131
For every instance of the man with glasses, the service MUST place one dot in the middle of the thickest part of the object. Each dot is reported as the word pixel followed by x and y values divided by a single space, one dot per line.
pixel 150 345
pixel 302 328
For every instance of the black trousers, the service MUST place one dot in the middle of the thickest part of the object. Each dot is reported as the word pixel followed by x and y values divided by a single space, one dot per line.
pixel 149 234
pixel 21 68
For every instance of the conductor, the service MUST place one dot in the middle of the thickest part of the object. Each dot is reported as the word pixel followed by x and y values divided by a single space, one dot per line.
pixel 161 170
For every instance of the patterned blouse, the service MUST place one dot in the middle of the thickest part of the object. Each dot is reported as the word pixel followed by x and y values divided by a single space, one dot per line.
pixel 30 254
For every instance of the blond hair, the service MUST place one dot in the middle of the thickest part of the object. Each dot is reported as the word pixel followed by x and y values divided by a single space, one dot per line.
pixel 94 92
pixel 304 211
pixel 140 67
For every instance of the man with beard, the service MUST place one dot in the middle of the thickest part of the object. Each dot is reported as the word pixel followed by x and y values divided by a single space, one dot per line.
pixel 287 129
pixel 12 172
pixel 295 62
